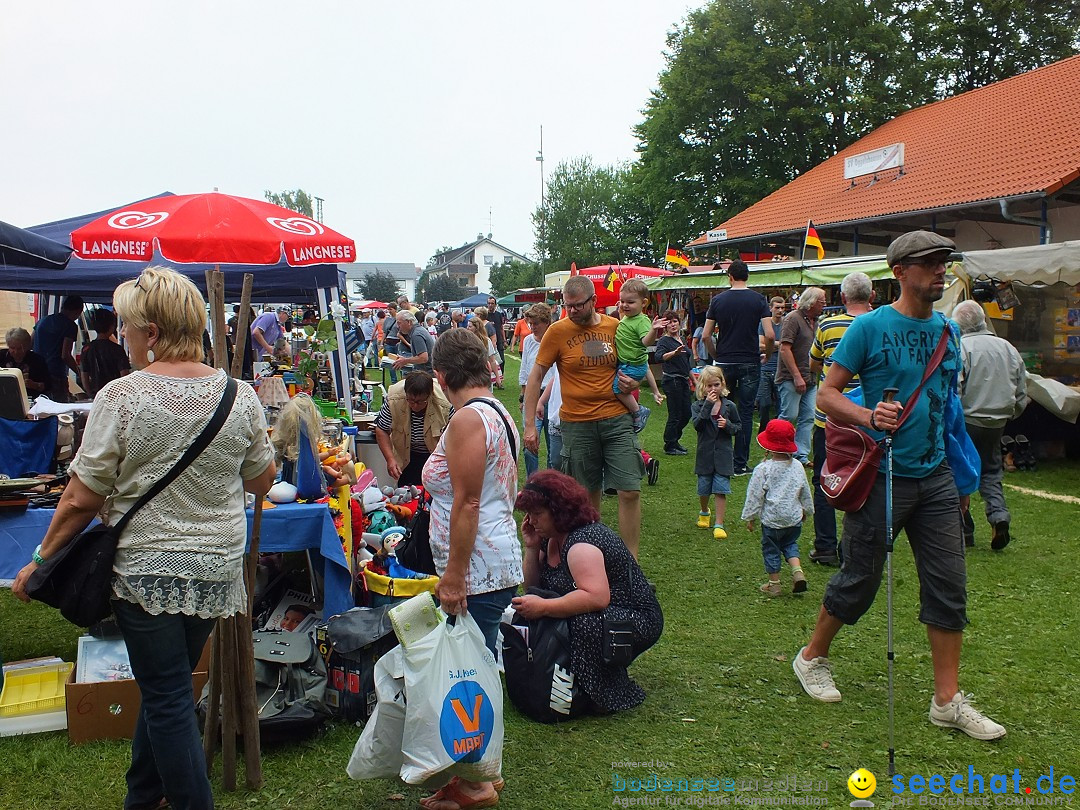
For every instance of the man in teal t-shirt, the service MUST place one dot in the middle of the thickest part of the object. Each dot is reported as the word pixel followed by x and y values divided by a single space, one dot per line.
pixel 634 334
pixel 891 347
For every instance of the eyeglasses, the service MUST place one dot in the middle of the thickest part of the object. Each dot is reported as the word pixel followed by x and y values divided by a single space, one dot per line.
pixel 579 306
pixel 931 264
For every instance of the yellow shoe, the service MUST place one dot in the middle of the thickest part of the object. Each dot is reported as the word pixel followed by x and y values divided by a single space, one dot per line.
pixel 704 519
pixel 718 533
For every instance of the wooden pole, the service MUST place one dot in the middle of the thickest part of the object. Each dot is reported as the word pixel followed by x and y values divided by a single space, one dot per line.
pixel 217 315
pixel 232 663
pixel 213 704
pixel 230 704
pixel 241 338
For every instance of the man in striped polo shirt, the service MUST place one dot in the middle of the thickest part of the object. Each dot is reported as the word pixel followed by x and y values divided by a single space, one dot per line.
pixel 856 293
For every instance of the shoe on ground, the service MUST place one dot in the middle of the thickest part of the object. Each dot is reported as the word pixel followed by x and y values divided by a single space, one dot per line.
pixel 959 713
pixel 816 678
pixel 798 581
pixel 770 588
pixel 641 418
pixel 1000 537
pixel 675 451
pixel 831 560
pixel 704 519
pixel 681 448
pixel 652 471
pixel 969 530
pixel 718 532
pixel 742 471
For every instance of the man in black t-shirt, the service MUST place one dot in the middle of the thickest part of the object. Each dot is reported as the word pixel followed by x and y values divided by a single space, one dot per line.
pixel 731 337
pixel 672 350
pixel 444 321
pixel 18 355
pixel 497 318
pixel 54 339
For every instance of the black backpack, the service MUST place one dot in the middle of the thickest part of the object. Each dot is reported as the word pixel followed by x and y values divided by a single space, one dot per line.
pixel 539 679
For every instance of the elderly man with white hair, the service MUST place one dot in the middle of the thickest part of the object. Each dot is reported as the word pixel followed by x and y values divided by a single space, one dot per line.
pixel 993 389
pixel 856 293
pixel 415 344
pixel 798 387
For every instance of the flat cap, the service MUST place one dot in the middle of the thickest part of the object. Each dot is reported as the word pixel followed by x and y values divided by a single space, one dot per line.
pixel 915 244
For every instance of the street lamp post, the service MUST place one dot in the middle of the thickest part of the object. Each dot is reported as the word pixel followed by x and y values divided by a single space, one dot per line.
pixel 543 212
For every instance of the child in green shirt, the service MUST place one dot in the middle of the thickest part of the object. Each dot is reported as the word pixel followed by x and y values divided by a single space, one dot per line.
pixel 633 335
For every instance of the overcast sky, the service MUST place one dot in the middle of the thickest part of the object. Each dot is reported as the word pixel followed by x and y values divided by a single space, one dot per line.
pixel 412 120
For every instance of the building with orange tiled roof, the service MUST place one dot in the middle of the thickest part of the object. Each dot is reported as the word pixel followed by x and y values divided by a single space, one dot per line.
pixel 994 167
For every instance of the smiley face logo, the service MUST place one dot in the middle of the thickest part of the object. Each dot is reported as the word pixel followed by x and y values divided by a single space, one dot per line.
pixel 862 784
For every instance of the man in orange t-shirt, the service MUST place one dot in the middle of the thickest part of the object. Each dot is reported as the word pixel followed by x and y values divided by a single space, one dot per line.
pixel 600 447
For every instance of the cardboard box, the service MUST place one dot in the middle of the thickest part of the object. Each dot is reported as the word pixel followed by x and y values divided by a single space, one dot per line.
pixel 107 710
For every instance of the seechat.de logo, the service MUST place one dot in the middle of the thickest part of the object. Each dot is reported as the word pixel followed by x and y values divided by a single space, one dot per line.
pixel 467 721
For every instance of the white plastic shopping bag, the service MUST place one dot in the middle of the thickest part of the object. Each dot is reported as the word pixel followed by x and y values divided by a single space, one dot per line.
pixel 453 719
pixel 377 754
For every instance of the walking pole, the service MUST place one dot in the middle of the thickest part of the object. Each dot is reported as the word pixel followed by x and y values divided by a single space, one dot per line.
pixel 887 396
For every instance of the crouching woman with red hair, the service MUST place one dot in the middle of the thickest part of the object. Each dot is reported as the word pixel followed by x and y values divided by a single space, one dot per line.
pixel 568 551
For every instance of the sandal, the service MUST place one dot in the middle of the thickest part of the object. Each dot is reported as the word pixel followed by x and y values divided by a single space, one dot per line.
pixel 451 792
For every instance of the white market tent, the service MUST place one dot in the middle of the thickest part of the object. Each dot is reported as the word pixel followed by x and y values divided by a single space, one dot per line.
pixel 1034 264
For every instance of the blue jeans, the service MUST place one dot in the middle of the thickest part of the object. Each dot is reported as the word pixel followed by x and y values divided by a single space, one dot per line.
pixel 532 460
pixel 778 545
pixel 799 410
pixel 825 544
pixel 487 610
pixel 554 448
pixel 166 752
pixel 767 396
pixel 742 380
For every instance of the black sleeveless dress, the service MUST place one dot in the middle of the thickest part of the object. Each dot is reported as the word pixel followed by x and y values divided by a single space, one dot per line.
pixel 610 688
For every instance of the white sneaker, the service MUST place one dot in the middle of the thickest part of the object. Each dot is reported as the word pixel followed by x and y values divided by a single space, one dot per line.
pixel 959 713
pixel 816 678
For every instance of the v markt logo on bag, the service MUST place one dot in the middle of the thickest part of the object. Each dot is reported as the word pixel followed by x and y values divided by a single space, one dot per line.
pixel 466 721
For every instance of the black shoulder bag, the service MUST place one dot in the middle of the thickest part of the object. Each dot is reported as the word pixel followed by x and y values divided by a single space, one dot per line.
pixel 414 551
pixel 77 579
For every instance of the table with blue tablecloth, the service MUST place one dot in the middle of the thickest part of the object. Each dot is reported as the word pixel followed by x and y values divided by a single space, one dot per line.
pixel 286 527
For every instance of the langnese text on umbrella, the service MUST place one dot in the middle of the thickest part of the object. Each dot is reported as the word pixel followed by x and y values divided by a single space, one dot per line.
pixel 322 253
pixel 133 248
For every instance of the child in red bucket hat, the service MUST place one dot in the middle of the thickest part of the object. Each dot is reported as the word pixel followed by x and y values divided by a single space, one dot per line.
pixel 780 496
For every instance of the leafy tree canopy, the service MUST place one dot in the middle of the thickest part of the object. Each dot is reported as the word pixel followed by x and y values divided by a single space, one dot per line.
pixel 297 200
pixel 515 275
pixel 441 288
pixel 972 43
pixel 379 286
pixel 590 216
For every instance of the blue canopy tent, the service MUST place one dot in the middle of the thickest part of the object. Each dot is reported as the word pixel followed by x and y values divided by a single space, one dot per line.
pixel 23 248
pixel 95 280
pixel 478 300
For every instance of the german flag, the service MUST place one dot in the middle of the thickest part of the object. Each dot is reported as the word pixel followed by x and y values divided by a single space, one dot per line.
pixel 610 279
pixel 813 240
pixel 675 256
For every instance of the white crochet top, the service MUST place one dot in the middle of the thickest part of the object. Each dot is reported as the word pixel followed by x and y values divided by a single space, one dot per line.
pixel 182 552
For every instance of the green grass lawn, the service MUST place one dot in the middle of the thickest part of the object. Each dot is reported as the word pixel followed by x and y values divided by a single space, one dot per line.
pixel 722 699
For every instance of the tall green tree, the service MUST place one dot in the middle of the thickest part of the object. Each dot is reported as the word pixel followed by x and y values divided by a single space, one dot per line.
pixel 755 92
pixel 441 288
pixel 972 43
pixel 515 275
pixel 590 216
pixel 296 200
pixel 380 285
